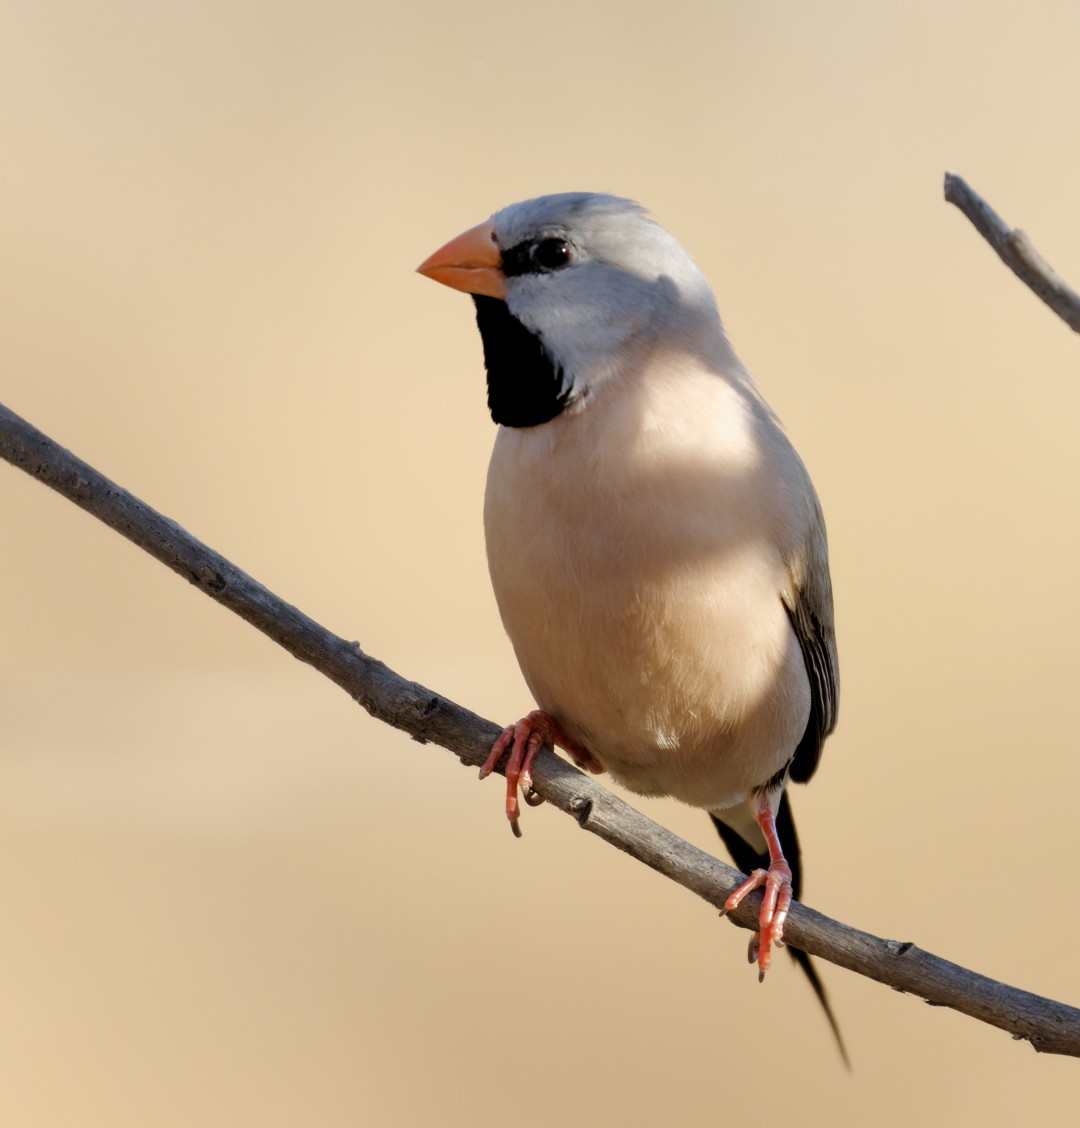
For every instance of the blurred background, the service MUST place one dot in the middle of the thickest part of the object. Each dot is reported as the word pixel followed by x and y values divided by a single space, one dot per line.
pixel 229 896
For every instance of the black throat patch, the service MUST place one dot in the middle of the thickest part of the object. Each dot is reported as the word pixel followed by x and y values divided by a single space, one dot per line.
pixel 525 386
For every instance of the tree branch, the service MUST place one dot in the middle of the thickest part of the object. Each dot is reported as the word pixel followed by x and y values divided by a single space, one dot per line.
pixel 1016 250
pixel 426 716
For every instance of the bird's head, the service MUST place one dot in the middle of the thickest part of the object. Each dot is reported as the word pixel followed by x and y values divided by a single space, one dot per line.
pixel 570 291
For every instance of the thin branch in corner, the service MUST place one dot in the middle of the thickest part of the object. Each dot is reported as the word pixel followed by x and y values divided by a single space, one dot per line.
pixel 1050 1027
pixel 1016 250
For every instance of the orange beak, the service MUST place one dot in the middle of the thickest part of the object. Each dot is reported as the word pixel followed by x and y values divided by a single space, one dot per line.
pixel 471 263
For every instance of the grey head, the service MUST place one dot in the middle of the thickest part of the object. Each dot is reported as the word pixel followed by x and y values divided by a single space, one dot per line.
pixel 591 282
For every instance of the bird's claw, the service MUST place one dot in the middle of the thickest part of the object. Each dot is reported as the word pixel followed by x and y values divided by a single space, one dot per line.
pixel 776 881
pixel 752 948
pixel 525 739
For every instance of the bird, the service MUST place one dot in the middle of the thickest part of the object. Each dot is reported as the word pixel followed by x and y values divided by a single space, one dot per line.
pixel 655 544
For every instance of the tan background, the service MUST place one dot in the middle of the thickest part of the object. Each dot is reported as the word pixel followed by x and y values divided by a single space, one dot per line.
pixel 229 897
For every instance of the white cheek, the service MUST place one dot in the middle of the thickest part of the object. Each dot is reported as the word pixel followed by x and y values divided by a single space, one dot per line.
pixel 586 323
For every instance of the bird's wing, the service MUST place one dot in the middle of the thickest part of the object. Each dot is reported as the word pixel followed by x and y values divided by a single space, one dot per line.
pixel 809 603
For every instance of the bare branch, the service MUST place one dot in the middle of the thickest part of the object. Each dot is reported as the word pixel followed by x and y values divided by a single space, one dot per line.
pixel 1016 250
pixel 426 716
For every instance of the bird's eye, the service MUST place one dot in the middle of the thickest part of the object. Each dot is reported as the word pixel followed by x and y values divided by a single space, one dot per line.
pixel 551 254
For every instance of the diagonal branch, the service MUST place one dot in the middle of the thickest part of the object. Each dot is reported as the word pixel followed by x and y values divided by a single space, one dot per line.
pixel 1049 1026
pixel 1016 250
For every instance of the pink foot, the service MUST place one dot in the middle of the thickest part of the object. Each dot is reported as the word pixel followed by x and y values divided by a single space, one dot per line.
pixel 777 899
pixel 525 739
pixel 774 909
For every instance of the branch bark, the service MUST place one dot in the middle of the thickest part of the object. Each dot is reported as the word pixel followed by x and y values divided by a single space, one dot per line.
pixel 1049 1026
pixel 1016 250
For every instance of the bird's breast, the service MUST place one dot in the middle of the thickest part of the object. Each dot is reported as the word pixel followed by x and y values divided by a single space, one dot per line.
pixel 636 552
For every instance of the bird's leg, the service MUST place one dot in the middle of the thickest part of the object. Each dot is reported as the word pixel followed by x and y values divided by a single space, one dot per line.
pixel 777 882
pixel 525 739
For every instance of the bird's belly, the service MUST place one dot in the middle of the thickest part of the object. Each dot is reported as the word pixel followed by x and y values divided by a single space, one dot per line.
pixel 679 671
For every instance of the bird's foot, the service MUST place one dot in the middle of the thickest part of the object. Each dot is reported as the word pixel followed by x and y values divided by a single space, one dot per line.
pixel 774 910
pixel 525 739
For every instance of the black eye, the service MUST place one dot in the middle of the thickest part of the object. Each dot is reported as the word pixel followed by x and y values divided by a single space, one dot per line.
pixel 551 254
pixel 540 257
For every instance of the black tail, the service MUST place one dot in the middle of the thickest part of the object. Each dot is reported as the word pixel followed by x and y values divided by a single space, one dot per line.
pixel 747 858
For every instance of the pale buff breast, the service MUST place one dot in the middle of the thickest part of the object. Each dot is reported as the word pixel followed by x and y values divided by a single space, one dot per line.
pixel 636 552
